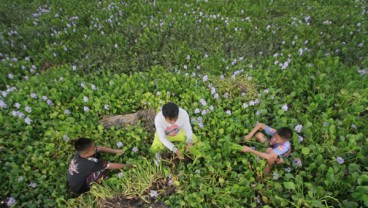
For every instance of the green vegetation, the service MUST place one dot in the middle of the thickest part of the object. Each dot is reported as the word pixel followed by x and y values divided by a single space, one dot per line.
pixel 301 64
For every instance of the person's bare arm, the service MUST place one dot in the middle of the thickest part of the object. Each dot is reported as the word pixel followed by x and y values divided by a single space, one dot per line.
pixel 119 166
pixel 265 155
pixel 109 150
pixel 257 127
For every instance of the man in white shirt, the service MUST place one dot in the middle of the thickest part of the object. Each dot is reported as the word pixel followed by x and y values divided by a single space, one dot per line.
pixel 172 124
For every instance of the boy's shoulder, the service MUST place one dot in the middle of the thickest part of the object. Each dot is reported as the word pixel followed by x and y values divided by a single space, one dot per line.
pixel 182 111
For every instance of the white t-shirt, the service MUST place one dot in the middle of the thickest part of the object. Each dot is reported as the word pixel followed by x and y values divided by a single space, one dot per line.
pixel 164 128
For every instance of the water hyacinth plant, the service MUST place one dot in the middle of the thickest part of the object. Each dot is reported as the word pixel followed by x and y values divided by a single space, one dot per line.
pixel 66 64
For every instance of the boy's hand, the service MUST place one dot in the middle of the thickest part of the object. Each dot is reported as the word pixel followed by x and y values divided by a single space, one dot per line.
pixel 189 146
pixel 247 137
pixel 246 149
pixel 119 152
pixel 129 166
pixel 179 155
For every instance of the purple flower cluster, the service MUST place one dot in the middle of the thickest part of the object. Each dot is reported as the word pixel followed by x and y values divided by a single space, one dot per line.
pixel 119 144
pixel 298 128
pixel 340 160
pixel 135 149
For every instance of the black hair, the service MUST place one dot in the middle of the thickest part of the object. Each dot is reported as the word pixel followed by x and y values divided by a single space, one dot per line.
pixel 285 133
pixel 170 110
pixel 82 144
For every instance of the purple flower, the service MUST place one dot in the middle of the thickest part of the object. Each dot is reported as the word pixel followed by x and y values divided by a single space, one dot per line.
pixel 4 93
pixel 288 169
pixel 74 67
pixel 28 109
pixel 204 112
pixel 33 95
pixel 17 105
pixel 258 112
pixel 340 160
pixel 298 128
pixel 285 65
pixel 256 101
pixel 44 98
pixel 10 202
pixel 200 124
pixel 120 174
pixel 213 90
pixel 251 103
pixel 11 76
pixel 243 94
pixel 275 176
pixel 193 120
pixel 66 111
pixel 135 149
pixel 200 119
pixel 85 99
pixel 216 96
pixel 203 102
pixel 226 95
pixel 32 184
pixel 228 112
pixel 285 107
pixel 197 110
pixel 3 104
pixel 211 108
pixel 153 194
pixel 301 138
pixel 249 78
pixel 119 144
pixel 83 85
pixel 93 87
pixel 353 126
pixel 245 105
pixel 28 121
pixel 106 107
pixel 205 78
pixel 49 102
pixel 297 162
pixel 86 109
pixel 198 171
pixel 66 138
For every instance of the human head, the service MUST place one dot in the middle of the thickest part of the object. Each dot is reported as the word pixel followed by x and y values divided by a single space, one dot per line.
pixel 284 133
pixel 170 112
pixel 85 147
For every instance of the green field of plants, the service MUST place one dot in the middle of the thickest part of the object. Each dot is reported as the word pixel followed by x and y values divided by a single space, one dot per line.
pixel 231 63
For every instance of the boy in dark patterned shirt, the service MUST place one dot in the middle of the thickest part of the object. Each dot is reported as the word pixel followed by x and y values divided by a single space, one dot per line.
pixel 86 168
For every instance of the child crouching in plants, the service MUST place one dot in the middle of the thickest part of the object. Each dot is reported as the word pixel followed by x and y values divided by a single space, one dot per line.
pixel 172 125
pixel 280 144
pixel 85 167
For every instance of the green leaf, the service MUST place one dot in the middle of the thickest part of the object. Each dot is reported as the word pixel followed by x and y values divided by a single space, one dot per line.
pixel 305 151
pixel 289 185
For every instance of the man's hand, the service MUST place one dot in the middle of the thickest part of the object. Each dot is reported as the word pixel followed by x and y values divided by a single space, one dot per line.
pixel 247 137
pixel 189 145
pixel 246 149
pixel 179 155
pixel 119 151
pixel 129 166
